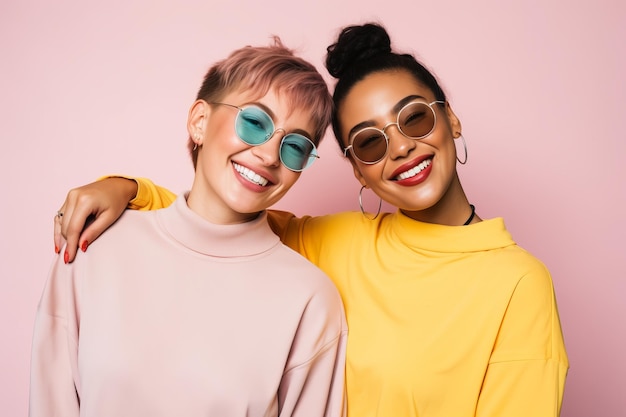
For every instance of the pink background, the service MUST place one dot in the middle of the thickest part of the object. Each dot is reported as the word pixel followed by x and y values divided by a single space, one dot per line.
pixel 89 89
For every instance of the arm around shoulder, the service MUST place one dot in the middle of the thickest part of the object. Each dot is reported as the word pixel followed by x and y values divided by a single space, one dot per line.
pixel 149 196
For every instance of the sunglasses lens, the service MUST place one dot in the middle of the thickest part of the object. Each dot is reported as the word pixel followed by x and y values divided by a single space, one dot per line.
pixel 297 152
pixel 254 126
pixel 369 145
pixel 416 120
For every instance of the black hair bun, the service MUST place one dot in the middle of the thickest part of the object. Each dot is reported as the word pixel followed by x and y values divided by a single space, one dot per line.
pixel 354 44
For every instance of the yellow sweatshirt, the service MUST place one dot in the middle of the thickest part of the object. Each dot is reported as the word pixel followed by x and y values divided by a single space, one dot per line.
pixel 443 321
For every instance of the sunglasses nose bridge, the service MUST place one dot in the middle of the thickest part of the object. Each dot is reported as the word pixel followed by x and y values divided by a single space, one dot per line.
pixel 276 131
pixel 387 126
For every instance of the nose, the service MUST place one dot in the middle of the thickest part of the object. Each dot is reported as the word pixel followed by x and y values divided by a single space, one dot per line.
pixel 268 152
pixel 399 145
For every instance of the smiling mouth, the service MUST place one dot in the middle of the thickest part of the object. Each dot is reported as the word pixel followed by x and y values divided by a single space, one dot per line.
pixel 250 175
pixel 415 170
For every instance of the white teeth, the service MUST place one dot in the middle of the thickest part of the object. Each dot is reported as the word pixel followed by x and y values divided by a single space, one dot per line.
pixel 415 170
pixel 250 175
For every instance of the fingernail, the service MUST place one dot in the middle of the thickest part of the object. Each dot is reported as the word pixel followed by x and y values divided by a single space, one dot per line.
pixel 56 249
pixel 83 247
pixel 66 257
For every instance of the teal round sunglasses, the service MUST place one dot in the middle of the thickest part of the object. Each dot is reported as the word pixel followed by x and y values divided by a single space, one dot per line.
pixel 255 127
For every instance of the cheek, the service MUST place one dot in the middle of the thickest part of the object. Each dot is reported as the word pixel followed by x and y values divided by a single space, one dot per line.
pixel 289 177
pixel 451 149
pixel 372 174
pixel 222 133
pixel 443 143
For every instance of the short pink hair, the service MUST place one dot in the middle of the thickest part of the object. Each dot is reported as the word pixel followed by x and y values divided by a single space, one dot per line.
pixel 259 69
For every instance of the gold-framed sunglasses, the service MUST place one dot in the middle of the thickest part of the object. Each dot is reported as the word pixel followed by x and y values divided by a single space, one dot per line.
pixel 415 120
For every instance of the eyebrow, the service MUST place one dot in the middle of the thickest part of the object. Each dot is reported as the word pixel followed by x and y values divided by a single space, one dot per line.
pixel 273 116
pixel 394 110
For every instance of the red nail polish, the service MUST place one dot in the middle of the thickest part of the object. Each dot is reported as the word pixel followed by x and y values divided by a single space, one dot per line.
pixel 83 247
pixel 56 249
pixel 66 257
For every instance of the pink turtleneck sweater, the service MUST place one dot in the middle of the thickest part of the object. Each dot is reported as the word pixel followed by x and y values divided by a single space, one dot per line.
pixel 169 315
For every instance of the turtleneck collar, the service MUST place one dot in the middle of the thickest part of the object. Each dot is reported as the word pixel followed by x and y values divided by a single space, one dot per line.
pixel 224 241
pixel 484 235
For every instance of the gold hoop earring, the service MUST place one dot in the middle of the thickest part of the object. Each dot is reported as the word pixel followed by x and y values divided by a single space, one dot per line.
pixel 380 204
pixel 464 161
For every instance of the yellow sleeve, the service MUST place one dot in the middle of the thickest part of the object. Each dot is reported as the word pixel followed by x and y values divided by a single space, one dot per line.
pixel 528 367
pixel 302 234
pixel 149 195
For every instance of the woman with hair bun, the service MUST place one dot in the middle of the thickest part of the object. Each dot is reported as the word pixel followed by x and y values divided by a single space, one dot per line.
pixel 447 315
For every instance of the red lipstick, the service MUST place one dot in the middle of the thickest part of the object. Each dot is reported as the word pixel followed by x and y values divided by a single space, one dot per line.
pixel 419 177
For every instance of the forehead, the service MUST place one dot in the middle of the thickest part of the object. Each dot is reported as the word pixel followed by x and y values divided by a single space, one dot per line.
pixel 382 90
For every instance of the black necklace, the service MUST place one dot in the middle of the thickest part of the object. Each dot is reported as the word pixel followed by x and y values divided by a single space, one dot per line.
pixel 471 217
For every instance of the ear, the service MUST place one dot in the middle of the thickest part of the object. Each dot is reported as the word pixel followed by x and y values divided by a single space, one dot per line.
pixel 197 120
pixel 454 122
